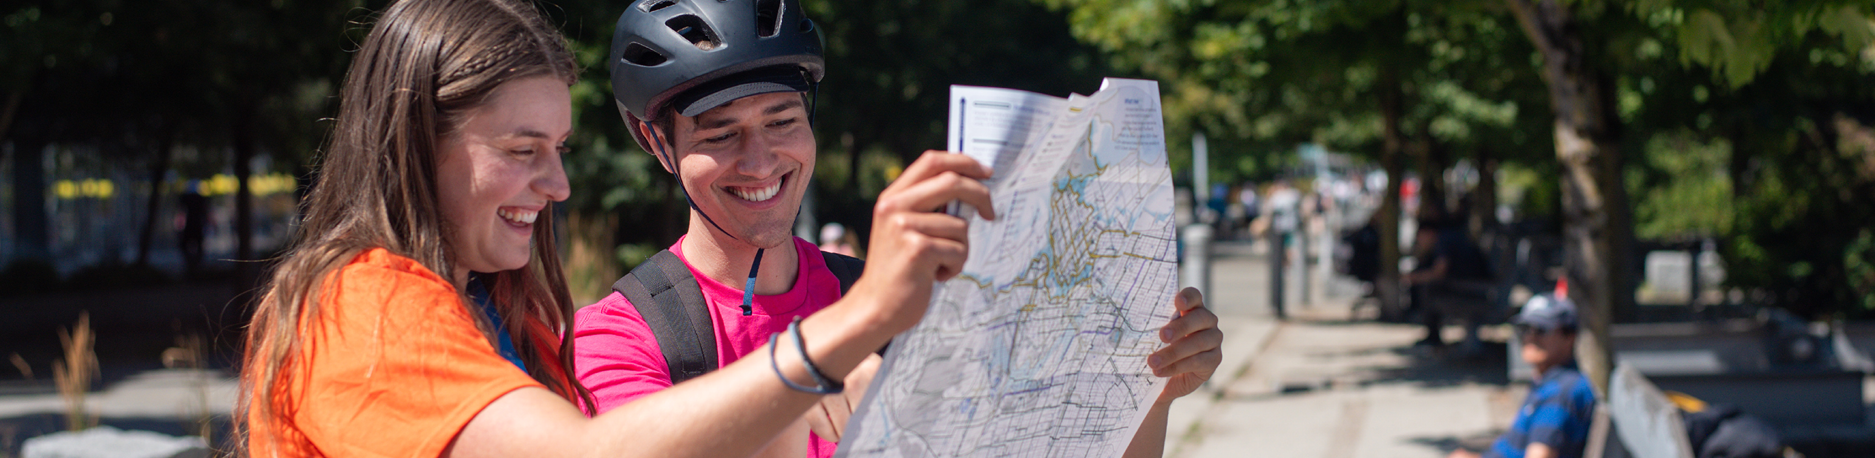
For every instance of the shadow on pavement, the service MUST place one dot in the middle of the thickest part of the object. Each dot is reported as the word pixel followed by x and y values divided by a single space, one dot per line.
pixel 1446 444
pixel 1449 366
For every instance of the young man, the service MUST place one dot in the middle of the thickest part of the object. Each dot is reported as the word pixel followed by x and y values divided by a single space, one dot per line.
pixel 1554 420
pixel 722 93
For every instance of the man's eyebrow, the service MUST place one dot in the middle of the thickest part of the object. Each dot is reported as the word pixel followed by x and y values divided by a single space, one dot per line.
pixel 720 121
pixel 783 106
pixel 715 122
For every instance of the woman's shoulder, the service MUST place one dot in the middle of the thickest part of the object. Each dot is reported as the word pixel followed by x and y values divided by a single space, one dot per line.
pixel 380 274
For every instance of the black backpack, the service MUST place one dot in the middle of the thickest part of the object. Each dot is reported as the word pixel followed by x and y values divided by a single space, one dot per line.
pixel 1723 431
pixel 672 304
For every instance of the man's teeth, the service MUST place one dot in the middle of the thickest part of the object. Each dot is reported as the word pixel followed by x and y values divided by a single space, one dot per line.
pixel 520 216
pixel 757 195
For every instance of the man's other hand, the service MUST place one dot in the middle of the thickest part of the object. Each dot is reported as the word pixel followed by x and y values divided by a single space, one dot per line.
pixel 1192 355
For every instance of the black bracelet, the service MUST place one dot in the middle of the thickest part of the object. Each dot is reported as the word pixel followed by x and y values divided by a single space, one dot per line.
pixel 812 370
pixel 823 386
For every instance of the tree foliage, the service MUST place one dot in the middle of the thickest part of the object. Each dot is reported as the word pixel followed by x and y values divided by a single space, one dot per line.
pixel 1259 76
pixel 1740 116
pixel 1758 111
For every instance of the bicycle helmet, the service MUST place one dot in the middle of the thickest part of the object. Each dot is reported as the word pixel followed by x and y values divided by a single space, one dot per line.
pixel 694 55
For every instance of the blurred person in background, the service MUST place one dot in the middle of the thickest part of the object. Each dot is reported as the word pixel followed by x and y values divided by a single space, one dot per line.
pixel 1247 197
pixel 193 228
pixel 835 239
pixel 1554 419
pixel 1285 207
pixel 1451 277
pixel 1218 207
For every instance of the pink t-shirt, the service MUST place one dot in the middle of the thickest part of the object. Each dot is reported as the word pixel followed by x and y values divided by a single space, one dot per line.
pixel 617 356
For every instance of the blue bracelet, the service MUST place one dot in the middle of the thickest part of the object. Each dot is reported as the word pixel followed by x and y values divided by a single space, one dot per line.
pixel 824 386
pixel 812 370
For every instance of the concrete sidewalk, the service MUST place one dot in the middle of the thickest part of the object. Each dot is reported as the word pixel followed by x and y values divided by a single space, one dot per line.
pixel 1329 382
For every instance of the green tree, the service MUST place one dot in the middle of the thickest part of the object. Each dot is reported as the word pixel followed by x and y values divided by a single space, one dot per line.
pixel 1794 179
pixel 1397 78
pixel 1732 38
pixel 1225 55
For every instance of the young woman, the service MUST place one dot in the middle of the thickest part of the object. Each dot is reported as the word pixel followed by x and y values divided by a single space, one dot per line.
pixel 422 310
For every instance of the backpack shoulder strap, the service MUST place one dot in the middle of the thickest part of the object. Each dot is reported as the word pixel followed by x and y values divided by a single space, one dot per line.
pixel 846 268
pixel 673 305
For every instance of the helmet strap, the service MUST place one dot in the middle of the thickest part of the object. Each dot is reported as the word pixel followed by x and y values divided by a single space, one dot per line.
pixel 669 158
pixel 813 101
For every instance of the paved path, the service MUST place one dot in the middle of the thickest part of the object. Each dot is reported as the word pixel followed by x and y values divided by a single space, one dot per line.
pixel 1325 384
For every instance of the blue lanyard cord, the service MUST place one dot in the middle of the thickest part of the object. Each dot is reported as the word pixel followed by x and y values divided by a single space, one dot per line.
pixel 748 290
pixel 479 294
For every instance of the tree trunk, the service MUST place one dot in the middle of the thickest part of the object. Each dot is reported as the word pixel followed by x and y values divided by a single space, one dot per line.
pixel 1483 208
pixel 852 161
pixel 1597 221
pixel 8 109
pixel 1393 142
pixel 1392 90
pixel 1432 165
pixel 1738 166
pixel 244 145
pixel 32 239
pixel 158 168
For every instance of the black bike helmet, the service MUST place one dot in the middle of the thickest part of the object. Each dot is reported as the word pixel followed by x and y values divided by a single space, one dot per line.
pixel 695 55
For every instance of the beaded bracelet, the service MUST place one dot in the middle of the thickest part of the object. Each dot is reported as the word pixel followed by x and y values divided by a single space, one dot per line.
pixel 823 384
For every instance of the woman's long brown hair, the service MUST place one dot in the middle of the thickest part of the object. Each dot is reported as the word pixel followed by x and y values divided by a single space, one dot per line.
pixel 424 65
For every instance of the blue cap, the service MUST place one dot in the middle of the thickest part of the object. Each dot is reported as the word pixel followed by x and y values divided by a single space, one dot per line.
pixel 1547 312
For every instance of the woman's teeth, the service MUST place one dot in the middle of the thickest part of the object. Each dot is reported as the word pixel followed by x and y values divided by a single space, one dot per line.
pixel 518 216
pixel 757 194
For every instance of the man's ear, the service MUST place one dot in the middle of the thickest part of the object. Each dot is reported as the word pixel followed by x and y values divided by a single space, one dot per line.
pixel 660 146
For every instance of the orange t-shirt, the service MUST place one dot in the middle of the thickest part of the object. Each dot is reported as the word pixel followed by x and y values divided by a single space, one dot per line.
pixel 392 365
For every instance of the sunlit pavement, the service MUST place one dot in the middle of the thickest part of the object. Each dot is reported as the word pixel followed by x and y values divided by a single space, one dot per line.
pixel 168 401
pixel 1330 381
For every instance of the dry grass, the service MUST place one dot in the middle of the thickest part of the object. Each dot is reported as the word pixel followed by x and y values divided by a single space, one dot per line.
pixel 20 363
pixel 591 263
pixel 191 352
pixel 75 374
pixel 7 434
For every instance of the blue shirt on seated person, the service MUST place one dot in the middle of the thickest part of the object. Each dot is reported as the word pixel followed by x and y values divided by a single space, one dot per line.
pixel 1554 420
pixel 1556 414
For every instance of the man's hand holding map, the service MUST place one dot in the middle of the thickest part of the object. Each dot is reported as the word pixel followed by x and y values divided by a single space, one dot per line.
pixel 1039 347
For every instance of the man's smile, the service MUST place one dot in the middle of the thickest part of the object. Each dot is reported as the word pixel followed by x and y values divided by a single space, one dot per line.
pixel 759 193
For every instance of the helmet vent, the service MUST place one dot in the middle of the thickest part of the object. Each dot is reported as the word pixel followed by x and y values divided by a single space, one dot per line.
pixel 654 5
pixel 693 30
pixel 639 54
pixel 768 17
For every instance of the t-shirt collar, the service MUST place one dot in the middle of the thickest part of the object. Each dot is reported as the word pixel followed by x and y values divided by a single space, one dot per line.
pixel 765 304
